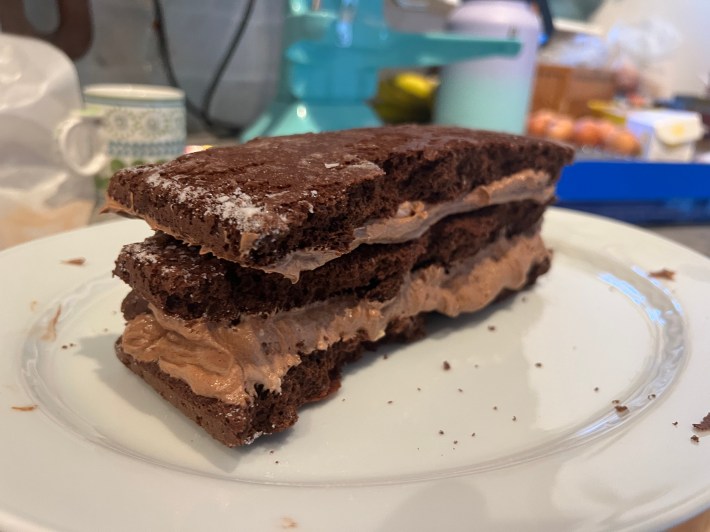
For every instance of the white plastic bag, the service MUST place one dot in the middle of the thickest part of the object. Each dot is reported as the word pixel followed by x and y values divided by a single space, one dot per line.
pixel 49 151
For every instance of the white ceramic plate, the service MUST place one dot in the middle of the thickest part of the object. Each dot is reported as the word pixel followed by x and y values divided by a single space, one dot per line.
pixel 534 378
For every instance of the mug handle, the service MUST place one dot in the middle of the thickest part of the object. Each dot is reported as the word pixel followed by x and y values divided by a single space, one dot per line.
pixel 63 135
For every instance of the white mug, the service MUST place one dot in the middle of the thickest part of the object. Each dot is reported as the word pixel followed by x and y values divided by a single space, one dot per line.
pixel 141 123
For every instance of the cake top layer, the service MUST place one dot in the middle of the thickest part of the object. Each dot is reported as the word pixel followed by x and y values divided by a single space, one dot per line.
pixel 259 203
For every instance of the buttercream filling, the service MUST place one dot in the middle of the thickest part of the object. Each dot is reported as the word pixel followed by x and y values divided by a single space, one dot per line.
pixel 227 362
pixel 412 219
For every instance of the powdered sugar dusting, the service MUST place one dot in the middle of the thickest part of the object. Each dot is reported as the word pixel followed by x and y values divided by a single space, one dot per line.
pixel 236 206
pixel 239 208
pixel 141 254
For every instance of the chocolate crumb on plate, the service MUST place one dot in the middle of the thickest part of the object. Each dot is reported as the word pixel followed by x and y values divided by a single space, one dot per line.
pixel 615 402
pixel 651 396
pixel 460 390
pixel 441 432
pixel 28 408
pixel 596 388
pixel 447 366
pixel 621 409
pixel 390 402
pixel 50 333
pixel 515 418
pixel 694 438
pixel 538 364
pixel 675 423
pixel 287 522
pixel 663 273
pixel 473 434
pixel 78 261
pixel 704 424
pixel 491 327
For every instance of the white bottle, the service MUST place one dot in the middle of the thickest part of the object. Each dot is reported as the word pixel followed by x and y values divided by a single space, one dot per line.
pixel 491 93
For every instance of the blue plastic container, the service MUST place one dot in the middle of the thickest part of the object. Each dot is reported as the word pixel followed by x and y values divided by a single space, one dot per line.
pixel 638 192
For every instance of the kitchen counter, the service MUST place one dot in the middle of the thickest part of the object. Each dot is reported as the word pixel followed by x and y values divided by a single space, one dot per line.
pixel 696 237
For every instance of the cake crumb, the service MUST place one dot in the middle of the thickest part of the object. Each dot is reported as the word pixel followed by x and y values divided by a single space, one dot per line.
pixel 538 364
pixel 419 389
pixel 475 366
pixel 447 366
pixel 287 522
pixel 515 418
pixel 390 402
pixel 50 333
pixel 276 461
pixel 271 451
pixel 28 408
pixel 675 423
pixel 385 356
pixel 524 299
pixel 651 396
pixel 456 442
pixel 65 346
pixel 495 408
pixel 621 409
pixel 663 273
pixel 473 434
pixel 491 327
pixel 694 438
pixel 460 390
pixel 441 432
pixel 704 424
pixel 615 402
pixel 596 388
pixel 78 261
pixel 33 305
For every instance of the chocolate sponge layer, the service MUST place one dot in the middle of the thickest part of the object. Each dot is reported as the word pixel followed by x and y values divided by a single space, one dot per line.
pixel 177 279
pixel 257 202
pixel 317 376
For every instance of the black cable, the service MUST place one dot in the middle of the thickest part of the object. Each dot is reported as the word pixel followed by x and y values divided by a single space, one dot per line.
pixel 203 112
pixel 233 45
pixel 165 58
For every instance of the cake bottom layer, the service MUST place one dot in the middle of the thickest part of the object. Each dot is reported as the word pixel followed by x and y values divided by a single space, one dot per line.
pixel 268 412
pixel 316 377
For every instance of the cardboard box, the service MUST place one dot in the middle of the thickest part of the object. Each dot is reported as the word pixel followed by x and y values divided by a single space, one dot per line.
pixel 569 90
pixel 665 134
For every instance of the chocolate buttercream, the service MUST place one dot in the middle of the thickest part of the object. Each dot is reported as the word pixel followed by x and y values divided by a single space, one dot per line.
pixel 227 362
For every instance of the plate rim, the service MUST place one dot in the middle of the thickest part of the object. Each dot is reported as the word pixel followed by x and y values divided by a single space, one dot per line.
pixel 683 510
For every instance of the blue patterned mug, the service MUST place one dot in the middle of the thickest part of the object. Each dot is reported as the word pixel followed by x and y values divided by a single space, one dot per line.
pixel 142 124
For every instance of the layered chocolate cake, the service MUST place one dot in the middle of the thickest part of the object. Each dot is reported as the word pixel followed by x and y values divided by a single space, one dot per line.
pixel 277 262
